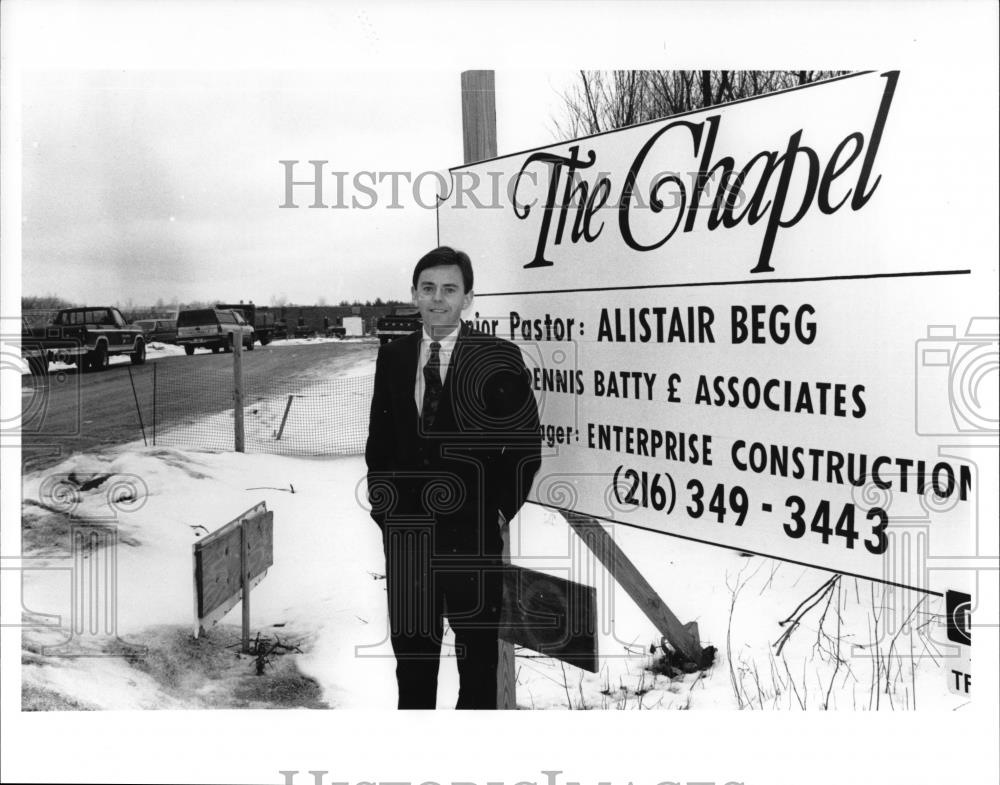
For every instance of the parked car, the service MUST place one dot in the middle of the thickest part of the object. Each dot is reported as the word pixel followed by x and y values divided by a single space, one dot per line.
pixel 212 328
pixel 162 330
pixel 88 337
pixel 260 317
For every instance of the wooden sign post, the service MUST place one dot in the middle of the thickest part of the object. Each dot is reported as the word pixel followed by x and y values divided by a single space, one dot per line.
pixel 238 430
pixel 479 116
pixel 479 142
pixel 228 563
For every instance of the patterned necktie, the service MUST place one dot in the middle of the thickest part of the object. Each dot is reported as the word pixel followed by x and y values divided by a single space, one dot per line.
pixel 432 386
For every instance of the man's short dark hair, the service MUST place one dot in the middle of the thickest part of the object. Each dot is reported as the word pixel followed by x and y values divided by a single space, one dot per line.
pixel 445 256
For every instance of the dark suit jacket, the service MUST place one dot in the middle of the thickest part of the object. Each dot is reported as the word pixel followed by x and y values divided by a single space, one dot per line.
pixel 479 457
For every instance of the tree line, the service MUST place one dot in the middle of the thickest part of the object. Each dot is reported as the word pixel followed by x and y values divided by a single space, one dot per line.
pixel 601 101
pixel 53 303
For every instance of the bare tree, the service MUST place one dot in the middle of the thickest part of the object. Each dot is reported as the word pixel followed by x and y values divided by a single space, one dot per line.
pixel 604 100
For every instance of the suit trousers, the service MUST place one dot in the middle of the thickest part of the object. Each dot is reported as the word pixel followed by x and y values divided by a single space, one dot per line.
pixel 423 587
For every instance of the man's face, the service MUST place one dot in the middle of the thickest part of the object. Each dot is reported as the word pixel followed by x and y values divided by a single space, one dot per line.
pixel 441 297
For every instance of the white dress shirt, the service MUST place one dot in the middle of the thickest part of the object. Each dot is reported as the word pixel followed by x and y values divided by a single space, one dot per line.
pixel 447 347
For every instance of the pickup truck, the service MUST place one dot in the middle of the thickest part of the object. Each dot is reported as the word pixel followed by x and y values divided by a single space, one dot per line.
pixel 261 318
pixel 400 322
pixel 212 328
pixel 88 337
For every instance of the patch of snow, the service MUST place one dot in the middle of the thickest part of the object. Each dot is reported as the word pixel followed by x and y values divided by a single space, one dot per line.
pixel 327 588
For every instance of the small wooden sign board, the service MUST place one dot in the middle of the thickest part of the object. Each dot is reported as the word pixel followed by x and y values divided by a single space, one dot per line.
pixel 550 615
pixel 228 563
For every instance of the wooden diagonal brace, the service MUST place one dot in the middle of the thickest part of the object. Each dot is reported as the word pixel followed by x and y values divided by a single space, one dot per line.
pixel 682 637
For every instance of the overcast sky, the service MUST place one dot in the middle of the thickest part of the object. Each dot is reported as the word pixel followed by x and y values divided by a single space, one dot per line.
pixel 149 184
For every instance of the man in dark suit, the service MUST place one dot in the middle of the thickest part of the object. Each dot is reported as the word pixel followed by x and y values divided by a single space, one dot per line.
pixel 453 447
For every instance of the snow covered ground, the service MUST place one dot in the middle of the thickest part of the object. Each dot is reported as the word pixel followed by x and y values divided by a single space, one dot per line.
pixel 323 603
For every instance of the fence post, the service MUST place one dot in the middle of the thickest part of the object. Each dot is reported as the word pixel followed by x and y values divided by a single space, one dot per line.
pixel 479 142
pixel 154 404
pixel 238 393
pixel 138 408
pixel 245 584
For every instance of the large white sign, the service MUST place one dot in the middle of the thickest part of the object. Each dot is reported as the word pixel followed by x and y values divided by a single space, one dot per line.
pixel 766 325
